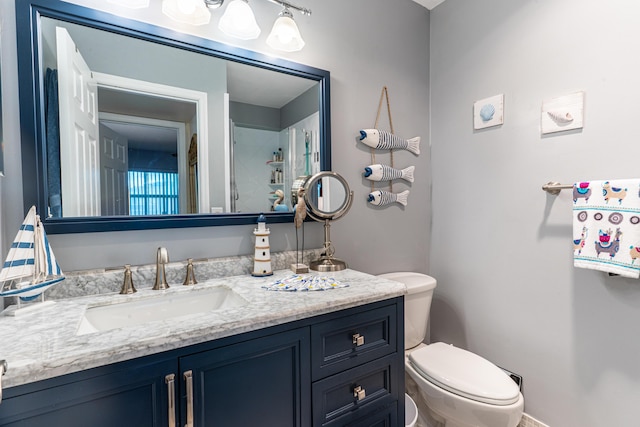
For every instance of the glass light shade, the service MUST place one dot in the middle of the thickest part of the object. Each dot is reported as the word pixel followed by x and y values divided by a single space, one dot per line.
pixel 238 21
pixel 285 35
pixel 131 4
pixel 187 7
pixel 191 12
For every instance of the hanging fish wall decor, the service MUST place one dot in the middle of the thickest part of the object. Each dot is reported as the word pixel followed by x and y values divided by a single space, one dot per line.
pixel 380 172
pixel 383 198
pixel 384 140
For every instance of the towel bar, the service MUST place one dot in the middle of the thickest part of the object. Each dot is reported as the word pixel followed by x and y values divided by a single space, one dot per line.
pixel 555 187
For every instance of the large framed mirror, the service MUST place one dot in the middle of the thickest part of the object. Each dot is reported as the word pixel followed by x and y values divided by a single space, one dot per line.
pixel 127 125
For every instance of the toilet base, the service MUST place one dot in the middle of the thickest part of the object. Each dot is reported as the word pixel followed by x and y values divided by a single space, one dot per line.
pixel 426 417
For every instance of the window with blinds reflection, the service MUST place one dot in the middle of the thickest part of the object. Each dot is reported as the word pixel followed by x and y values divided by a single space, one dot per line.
pixel 153 193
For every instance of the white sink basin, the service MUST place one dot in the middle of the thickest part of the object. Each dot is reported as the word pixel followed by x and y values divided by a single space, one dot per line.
pixel 160 307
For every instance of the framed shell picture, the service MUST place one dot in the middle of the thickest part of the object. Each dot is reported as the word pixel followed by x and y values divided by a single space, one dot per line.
pixel 488 112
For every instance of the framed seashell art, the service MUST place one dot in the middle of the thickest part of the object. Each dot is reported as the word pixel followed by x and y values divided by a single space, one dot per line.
pixel 562 113
pixel 488 112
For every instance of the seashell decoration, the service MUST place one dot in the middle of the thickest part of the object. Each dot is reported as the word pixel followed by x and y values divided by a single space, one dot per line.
pixel 560 116
pixel 487 111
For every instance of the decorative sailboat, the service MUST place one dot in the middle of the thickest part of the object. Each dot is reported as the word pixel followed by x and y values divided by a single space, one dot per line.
pixel 31 267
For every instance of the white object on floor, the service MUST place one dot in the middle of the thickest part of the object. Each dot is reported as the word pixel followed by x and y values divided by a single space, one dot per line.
pixel 410 411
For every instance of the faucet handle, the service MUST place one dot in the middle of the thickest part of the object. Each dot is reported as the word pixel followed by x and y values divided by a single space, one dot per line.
pixel 191 278
pixel 127 284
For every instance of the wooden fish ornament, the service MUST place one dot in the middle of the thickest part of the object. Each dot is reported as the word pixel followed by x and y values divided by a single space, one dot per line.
pixel 383 198
pixel 380 172
pixel 383 140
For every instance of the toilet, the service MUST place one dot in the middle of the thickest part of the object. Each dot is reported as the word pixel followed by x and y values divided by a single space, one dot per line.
pixel 455 387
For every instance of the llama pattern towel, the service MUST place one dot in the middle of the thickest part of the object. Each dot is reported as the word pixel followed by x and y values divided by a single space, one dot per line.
pixel 606 230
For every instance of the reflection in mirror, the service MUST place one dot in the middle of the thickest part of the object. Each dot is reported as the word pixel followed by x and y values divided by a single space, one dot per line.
pixel 138 163
pixel 135 124
pixel 327 197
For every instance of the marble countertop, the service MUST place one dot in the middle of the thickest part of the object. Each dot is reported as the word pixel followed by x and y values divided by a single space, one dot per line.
pixel 45 344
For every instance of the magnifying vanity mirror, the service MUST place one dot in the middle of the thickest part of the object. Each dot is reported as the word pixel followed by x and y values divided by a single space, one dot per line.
pixel 328 198
pixel 128 125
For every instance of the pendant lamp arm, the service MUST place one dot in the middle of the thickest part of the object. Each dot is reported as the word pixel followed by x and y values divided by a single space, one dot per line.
pixel 215 4
pixel 286 4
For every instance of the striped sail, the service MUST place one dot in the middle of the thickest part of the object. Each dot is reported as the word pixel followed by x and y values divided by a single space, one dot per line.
pixel 31 266
pixel 20 262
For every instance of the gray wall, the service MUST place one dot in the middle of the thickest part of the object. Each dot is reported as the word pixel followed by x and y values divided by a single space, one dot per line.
pixel 300 108
pixel 363 50
pixel 255 116
pixel 501 248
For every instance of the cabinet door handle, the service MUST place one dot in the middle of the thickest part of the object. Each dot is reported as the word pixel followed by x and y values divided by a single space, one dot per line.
pixel 188 376
pixel 169 380
pixel 359 393
pixel 3 370
pixel 358 339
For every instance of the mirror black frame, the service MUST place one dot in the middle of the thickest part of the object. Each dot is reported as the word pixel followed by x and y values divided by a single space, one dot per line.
pixel 28 13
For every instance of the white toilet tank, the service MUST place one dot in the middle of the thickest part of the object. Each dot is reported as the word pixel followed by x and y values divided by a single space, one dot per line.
pixel 417 304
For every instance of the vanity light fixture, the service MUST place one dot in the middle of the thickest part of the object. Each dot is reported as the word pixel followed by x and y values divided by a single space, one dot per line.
pixel 131 4
pixel 285 35
pixel 213 4
pixel 239 21
pixel 193 12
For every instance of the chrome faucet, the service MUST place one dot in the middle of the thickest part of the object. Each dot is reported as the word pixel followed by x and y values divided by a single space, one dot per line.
pixel 161 277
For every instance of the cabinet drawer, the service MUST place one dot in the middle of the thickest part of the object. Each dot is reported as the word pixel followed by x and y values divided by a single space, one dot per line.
pixel 351 340
pixel 336 401
pixel 385 418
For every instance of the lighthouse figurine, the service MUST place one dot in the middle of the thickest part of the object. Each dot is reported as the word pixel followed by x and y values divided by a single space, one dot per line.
pixel 262 257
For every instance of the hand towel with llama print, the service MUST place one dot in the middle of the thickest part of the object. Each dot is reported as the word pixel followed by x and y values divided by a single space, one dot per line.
pixel 606 226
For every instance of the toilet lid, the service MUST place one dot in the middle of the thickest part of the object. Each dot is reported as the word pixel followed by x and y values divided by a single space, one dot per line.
pixel 465 374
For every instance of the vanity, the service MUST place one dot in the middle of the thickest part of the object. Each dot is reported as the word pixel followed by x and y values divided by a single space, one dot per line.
pixel 325 358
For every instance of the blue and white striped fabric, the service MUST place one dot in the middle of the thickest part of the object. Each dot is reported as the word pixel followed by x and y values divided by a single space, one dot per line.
pixel 20 260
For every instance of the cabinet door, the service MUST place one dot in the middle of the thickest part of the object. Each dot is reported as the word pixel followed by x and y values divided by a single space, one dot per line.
pixel 262 382
pixel 135 395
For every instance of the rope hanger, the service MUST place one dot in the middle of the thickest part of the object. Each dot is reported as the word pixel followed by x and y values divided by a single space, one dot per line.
pixel 383 95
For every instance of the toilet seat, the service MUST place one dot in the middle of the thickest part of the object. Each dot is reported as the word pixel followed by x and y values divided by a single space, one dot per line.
pixel 464 373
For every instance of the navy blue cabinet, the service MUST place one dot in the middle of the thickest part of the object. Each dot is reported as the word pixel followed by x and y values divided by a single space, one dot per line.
pixel 252 383
pixel 339 369
pixel 126 394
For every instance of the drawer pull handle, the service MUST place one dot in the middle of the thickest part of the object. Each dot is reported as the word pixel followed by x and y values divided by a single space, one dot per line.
pixel 358 340
pixel 188 376
pixel 3 370
pixel 169 380
pixel 359 393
